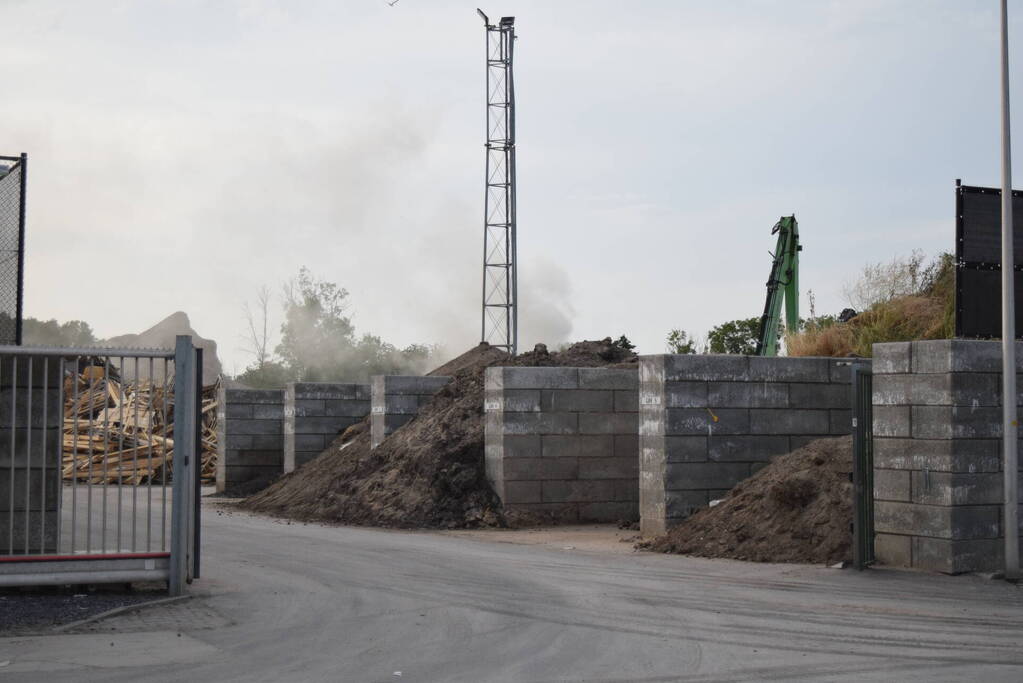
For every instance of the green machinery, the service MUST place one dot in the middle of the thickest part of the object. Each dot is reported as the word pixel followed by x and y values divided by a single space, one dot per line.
pixel 783 283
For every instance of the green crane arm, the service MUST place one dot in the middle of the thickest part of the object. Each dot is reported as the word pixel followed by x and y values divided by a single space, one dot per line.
pixel 783 283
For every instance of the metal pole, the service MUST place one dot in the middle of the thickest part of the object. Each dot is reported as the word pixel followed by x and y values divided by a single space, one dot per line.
pixel 1010 515
pixel 184 438
pixel 21 250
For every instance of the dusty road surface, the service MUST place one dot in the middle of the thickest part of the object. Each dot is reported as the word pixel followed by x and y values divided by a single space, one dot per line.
pixel 289 602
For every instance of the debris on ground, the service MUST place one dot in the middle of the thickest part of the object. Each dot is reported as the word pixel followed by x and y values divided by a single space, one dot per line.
pixel 430 472
pixel 122 432
pixel 796 509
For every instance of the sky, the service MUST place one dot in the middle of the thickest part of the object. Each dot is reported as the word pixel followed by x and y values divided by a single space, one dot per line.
pixel 185 153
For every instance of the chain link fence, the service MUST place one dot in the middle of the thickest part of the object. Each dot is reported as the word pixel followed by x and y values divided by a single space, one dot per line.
pixel 12 234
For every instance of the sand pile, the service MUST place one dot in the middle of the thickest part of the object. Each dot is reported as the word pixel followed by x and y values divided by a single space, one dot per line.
pixel 429 473
pixel 797 509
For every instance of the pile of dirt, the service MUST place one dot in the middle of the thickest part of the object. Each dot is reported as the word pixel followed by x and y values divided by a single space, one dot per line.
pixel 429 473
pixel 797 509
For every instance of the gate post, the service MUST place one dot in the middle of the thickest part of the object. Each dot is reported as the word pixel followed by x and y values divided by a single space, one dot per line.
pixel 183 461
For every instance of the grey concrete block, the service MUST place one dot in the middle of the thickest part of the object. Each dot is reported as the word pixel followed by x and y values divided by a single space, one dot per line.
pixel 42 446
pixel 522 446
pixel 708 475
pixel 264 396
pixel 891 549
pixel 358 408
pixel 840 422
pixel 263 411
pixel 892 358
pixel 957 556
pixel 785 369
pixel 539 469
pixel 541 423
pixel 747 395
pixel 401 404
pixel 705 367
pixel 311 442
pixel 323 425
pixel 577 491
pixel 232 440
pixel 520 400
pixel 955 488
pixel 840 369
pixel 540 378
pixel 651 369
pixel 892 485
pixel 685 394
pixel 32 489
pixel 266 441
pixel 253 458
pixel 609 423
pixel 745 448
pixel 28 408
pixel 626 446
pixel 40 536
pixel 622 379
pixel 255 427
pixel 576 400
pixel 408 384
pixel 981 521
pixel 626 401
pixel 608 511
pixel 963 455
pixel 685 449
pixel 42 371
pixel 701 421
pixel 608 468
pixel 238 410
pixel 791 421
pixel 797 442
pixel 892 421
pixel 628 490
pixel 681 504
pixel 578 446
pixel 956 422
pixel 836 396
pixel 325 390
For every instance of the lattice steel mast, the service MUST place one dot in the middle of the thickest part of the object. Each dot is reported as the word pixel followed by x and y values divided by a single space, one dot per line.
pixel 500 267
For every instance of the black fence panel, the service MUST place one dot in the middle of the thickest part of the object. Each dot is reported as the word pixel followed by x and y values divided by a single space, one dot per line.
pixel 863 466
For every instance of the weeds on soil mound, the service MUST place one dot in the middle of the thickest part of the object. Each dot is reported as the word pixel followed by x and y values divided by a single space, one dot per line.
pixel 429 473
pixel 797 509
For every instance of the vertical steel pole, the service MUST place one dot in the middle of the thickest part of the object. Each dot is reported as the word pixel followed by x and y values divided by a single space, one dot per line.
pixel 21 249
pixel 184 438
pixel 1010 468
pixel 512 208
pixel 196 518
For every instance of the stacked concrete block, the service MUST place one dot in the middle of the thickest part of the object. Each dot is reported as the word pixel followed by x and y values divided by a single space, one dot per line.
pixel 709 421
pixel 250 438
pixel 937 454
pixel 315 413
pixel 562 443
pixel 397 399
pixel 30 454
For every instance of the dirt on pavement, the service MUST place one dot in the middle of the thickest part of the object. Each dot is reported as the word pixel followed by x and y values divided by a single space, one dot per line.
pixel 796 509
pixel 430 472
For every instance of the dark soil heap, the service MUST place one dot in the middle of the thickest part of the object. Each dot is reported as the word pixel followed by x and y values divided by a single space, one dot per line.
pixel 429 473
pixel 797 509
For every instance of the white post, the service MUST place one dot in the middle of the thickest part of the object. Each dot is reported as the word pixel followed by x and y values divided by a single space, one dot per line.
pixel 1010 469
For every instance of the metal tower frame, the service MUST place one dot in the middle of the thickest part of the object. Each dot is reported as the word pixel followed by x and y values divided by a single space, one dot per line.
pixel 500 325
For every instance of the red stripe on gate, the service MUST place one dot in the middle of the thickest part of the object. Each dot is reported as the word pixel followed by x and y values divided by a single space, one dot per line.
pixel 65 558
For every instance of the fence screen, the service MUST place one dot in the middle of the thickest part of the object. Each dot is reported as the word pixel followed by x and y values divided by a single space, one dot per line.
pixel 12 237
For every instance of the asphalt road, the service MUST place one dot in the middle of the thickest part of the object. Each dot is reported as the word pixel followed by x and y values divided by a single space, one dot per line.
pixel 289 602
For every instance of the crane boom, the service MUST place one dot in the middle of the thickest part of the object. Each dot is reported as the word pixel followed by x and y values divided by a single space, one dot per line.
pixel 782 284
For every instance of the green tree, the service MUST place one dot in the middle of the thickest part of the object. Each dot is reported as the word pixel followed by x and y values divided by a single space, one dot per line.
pixel 735 336
pixel 52 333
pixel 679 341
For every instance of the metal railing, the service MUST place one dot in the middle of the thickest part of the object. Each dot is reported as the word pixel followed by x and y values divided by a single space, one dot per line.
pixel 863 466
pixel 98 458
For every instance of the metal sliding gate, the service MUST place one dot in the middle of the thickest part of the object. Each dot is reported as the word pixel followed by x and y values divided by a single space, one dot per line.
pixel 863 466
pixel 99 465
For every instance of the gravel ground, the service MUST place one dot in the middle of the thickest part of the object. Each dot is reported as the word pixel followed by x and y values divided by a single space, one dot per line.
pixel 40 609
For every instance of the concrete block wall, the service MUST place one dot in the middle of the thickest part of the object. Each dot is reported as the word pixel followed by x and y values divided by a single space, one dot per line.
pixel 709 421
pixel 937 454
pixel 315 413
pixel 397 399
pixel 250 437
pixel 33 464
pixel 562 443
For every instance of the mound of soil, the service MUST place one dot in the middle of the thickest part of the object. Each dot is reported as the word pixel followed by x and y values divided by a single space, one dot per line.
pixel 429 473
pixel 797 509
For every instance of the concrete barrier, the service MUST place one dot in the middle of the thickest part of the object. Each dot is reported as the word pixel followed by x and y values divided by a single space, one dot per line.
pixel 938 454
pixel 709 421
pixel 250 437
pixel 397 399
pixel 562 443
pixel 315 413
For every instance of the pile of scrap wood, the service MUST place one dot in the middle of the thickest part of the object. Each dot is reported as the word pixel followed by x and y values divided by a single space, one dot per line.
pixel 123 432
